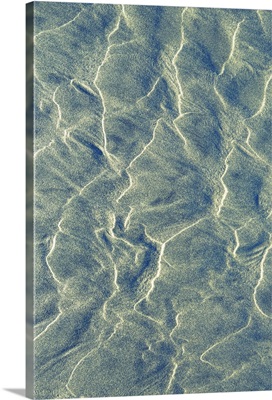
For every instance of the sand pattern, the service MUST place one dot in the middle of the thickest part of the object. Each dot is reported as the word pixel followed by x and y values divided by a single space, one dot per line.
pixel 152 164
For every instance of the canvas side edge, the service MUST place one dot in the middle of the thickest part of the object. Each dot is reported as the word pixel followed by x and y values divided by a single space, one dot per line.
pixel 29 202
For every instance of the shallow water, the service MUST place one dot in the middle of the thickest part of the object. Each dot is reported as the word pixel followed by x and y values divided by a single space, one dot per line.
pixel 152 160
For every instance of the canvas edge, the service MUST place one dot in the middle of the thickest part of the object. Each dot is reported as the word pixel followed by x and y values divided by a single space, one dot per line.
pixel 29 10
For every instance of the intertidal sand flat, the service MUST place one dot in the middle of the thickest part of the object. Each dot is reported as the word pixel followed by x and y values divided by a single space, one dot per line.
pixel 152 166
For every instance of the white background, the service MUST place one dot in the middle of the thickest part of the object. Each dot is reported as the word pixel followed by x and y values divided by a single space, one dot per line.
pixel 12 186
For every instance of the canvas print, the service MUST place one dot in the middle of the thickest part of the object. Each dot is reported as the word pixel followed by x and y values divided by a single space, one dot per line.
pixel 150 158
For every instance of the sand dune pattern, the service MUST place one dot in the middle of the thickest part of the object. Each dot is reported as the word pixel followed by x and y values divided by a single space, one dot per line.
pixel 153 211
